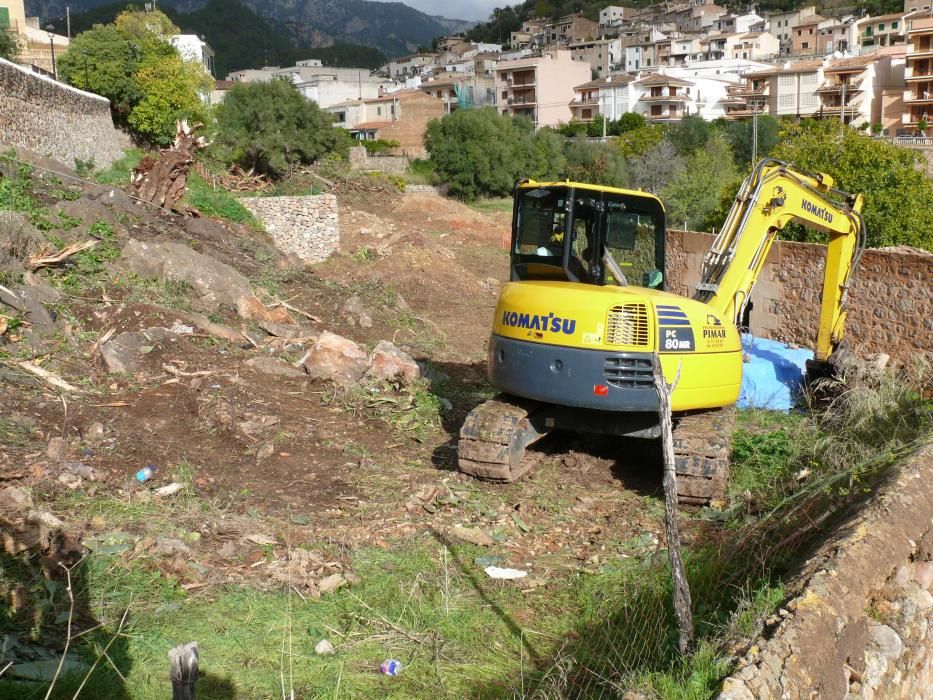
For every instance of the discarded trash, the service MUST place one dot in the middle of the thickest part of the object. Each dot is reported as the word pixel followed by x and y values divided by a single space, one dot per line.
pixel 169 490
pixel 504 574
pixel 487 560
pixel 324 648
pixel 391 667
pixel 144 474
pixel 472 535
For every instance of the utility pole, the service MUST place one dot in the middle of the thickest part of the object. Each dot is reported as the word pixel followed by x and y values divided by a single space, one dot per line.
pixel 754 131
pixel 68 21
pixel 842 111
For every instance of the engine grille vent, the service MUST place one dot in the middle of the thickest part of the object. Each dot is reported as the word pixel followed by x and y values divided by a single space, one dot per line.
pixel 627 324
pixel 629 372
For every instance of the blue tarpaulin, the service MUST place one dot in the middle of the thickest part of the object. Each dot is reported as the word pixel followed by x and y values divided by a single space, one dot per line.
pixel 774 376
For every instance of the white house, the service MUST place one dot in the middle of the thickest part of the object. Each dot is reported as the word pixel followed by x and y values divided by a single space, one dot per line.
pixel 191 47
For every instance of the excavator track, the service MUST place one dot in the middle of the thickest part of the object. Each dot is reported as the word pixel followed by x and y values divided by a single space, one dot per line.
pixel 702 444
pixel 494 437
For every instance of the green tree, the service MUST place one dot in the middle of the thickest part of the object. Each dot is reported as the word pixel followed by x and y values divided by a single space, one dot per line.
pixel 898 206
pixel 480 152
pixel 9 44
pixel 694 192
pixel 111 64
pixel 631 121
pixel 741 136
pixel 599 163
pixel 689 134
pixel 131 63
pixel 637 141
pixel 171 89
pixel 271 126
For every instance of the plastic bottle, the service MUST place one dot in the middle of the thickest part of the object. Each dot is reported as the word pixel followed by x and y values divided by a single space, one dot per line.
pixel 144 474
pixel 391 667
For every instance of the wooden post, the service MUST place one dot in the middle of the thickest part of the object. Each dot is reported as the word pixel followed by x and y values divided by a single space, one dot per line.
pixel 682 604
pixel 183 670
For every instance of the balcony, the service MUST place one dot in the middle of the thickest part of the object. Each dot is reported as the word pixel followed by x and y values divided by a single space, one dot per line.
pixel 924 71
pixel 664 97
pixel 522 100
pixel 922 97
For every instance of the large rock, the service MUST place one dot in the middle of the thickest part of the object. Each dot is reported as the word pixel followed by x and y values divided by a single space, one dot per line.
pixel 123 353
pixel 214 282
pixel 336 358
pixel 389 363
pixel 274 366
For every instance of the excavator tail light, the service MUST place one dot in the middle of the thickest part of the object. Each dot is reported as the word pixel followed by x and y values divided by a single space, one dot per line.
pixel 600 390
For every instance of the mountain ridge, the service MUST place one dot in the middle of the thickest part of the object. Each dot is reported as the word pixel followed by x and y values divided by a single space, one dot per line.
pixel 392 27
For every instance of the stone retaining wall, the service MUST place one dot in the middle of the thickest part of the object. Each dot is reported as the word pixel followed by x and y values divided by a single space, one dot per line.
pixel 890 304
pixel 54 119
pixel 862 626
pixel 361 160
pixel 304 226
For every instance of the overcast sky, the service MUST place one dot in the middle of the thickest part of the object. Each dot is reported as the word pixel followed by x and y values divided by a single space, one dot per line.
pixel 457 9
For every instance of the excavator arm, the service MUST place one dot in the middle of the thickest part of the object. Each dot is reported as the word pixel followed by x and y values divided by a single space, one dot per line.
pixel 773 195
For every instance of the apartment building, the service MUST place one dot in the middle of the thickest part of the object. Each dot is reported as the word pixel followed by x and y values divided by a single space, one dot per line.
pixel 792 88
pixel 743 100
pixel 883 30
pixel 918 72
pixel 804 36
pixel 602 55
pixel 783 24
pixel 664 98
pixel 753 46
pixel 193 48
pixel 585 104
pixel 540 87
pixel 35 42
pixel 833 36
pixel 401 116
pixel 853 88
pixel 614 16
pixel 916 6
pixel 570 29
pixel 462 91
pixel 409 66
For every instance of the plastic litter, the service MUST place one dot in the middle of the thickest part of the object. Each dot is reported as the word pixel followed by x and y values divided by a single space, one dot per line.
pixel 773 375
pixel 324 648
pixel 169 490
pixel 391 667
pixel 144 474
pixel 504 574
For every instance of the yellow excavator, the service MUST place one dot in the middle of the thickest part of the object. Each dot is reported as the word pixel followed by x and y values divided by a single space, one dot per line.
pixel 577 329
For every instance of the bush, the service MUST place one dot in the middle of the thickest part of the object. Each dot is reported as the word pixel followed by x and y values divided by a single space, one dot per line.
pixel 379 146
pixel 271 126
pixel 479 152
pixel 595 162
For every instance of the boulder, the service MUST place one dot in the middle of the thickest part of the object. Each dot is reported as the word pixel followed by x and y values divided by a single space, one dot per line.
pixel 389 363
pixel 123 353
pixel 274 366
pixel 356 312
pixel 336 358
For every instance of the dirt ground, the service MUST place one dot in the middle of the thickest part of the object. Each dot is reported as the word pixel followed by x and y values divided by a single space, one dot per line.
pixel 427 270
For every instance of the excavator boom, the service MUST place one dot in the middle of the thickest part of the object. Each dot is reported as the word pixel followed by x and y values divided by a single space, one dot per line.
pixel 771 197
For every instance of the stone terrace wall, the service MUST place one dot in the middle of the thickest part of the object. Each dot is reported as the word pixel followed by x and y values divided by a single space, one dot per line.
pixel 890 304
pixel 361 160
pixel 862 627
pixel 56 120
pixel 305 226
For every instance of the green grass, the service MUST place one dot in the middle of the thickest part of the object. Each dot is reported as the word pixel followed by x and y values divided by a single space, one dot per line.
pixel 120 170
pixel 218 203
pixel 492 205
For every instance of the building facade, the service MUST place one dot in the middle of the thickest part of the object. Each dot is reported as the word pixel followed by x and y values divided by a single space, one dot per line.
pixel 540 88
pixel 918 72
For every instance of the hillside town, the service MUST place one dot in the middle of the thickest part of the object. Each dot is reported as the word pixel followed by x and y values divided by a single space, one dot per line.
pixel 665 61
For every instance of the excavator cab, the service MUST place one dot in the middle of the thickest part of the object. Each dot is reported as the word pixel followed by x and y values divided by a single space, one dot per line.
pixel 586 233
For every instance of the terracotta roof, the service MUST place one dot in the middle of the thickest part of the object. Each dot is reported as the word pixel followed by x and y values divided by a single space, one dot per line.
pixel 604 82
pixel 883 18
pixel 659 79
pixel 798 67
pixel 369 125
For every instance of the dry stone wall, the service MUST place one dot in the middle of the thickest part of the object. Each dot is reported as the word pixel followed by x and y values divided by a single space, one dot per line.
pixel 307 227
pixel 57 120
pixel 890 303
pixel 862 625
